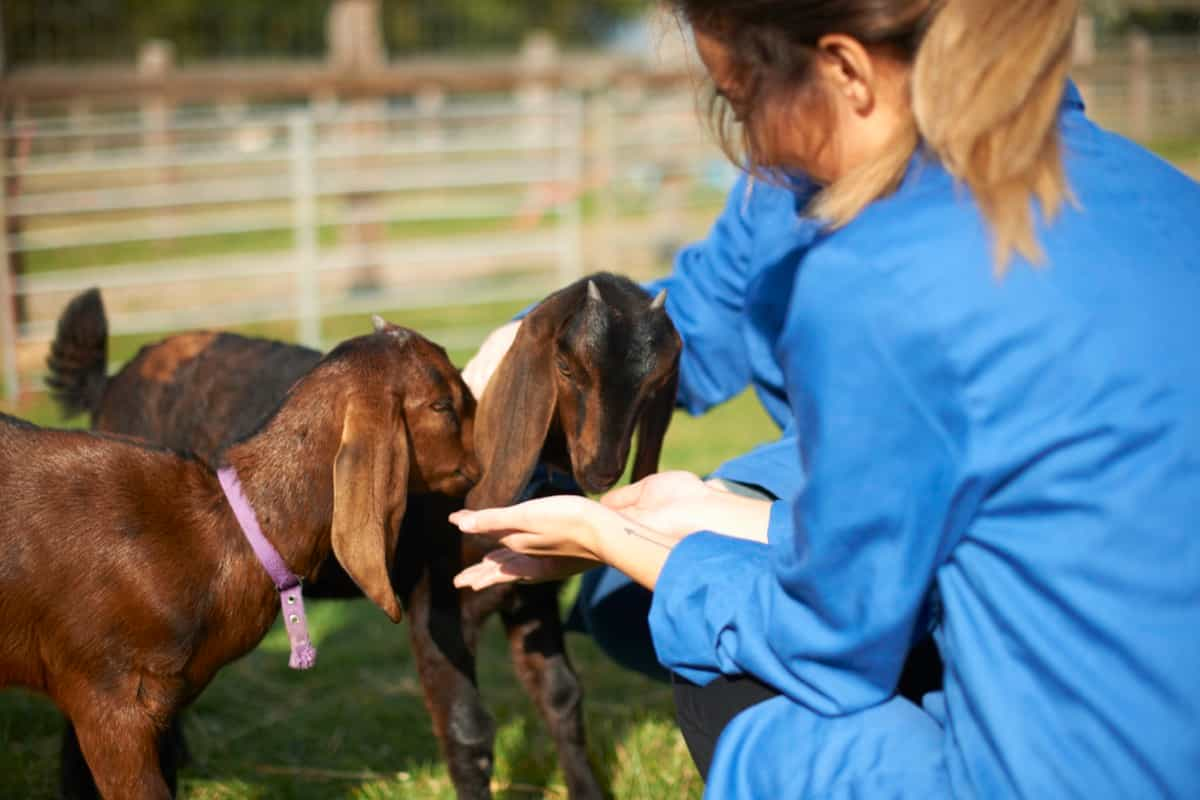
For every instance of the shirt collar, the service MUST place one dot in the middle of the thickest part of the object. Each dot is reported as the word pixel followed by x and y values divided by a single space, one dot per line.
pixel 1072 100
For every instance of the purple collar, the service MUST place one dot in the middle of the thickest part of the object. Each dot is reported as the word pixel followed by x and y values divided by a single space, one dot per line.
pixel 291 592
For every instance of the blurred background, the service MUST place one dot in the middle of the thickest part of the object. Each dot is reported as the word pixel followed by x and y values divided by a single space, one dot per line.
pixel 287 167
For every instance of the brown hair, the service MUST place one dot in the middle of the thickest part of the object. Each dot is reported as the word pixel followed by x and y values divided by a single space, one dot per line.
pixel 987 79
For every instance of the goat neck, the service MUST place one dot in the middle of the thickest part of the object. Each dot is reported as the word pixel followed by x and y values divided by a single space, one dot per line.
pixel 286 471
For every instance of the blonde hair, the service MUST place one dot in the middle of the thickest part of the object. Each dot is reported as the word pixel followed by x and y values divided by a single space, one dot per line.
pixel 986 84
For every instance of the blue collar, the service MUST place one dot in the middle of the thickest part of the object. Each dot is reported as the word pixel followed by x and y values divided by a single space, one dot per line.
pixel 1072 99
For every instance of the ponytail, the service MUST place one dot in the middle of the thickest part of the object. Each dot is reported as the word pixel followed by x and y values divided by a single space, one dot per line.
pixel 987 83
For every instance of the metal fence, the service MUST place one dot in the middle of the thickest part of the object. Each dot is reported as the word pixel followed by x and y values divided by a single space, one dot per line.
pixel 235 216
pixel 296 192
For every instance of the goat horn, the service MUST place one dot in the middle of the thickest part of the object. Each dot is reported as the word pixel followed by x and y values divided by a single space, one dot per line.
pixel 379 322
pixel 660 301
pixel 594 292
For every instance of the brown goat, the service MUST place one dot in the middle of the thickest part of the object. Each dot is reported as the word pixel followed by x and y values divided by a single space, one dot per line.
pixel 127 582
pixel 591 362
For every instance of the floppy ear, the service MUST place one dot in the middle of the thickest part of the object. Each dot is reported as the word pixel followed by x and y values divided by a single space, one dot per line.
pixel 652 427
pixel 370 492
pixel 513 416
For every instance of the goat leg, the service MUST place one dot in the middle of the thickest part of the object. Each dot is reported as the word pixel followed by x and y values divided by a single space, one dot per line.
pixel 444 645
pixel 122 751
pixel 538 649
pixel 75 779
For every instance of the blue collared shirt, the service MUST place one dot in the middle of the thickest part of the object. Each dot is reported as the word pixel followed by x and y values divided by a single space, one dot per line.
pixel 1027 447
pixel 728 296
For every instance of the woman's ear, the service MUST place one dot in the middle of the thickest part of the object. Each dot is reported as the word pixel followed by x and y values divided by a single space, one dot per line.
pixel 849 71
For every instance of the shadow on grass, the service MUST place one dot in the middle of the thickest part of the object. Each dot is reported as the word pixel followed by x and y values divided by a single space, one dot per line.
pixel 356 725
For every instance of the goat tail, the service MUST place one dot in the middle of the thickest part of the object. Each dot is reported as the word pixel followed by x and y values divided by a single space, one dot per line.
pixel 78 359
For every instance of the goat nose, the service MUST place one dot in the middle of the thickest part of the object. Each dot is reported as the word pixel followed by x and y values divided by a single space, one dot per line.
pixel 607 478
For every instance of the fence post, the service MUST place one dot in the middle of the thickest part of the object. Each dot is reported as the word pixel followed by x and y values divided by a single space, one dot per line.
pixel 539 62
pixel 430 100
pixel 8 320
pixel 1140 87
pixel 570 187
pixel 354 35
pixel 304 228
pixel 604 169
pixel 156 60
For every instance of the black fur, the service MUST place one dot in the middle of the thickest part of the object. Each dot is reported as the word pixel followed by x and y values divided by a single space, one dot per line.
pixel 78 358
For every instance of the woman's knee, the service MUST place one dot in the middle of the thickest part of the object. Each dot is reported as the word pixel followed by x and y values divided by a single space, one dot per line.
pixel 703 712
pixel 614 611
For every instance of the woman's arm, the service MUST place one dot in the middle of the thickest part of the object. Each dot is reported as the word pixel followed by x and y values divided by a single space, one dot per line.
pixel 828 614
pixel 633 529
pixel 566 527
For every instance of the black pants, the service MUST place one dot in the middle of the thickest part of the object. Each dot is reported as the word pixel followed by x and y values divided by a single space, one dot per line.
pixel 704 711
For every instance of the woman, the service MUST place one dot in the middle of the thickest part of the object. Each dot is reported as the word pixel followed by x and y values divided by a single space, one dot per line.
pixel 989 356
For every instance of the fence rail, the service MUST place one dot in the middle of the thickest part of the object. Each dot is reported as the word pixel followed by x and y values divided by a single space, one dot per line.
pixel 299 215
pixel 223 194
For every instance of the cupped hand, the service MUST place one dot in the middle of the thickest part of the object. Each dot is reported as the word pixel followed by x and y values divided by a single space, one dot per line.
pixel 677 504
pixel 570 530
pixel 479 370
pixel 506 566
pixel 670 502
pixel 563 525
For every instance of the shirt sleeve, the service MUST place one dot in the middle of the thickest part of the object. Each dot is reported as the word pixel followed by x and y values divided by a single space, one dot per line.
pixel 774 466
pixel 706 293
pixel 826 612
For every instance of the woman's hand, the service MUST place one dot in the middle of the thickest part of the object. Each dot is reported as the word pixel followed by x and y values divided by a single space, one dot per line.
pixel 507 566
pixel 564 525
pixel 680 503
pixel 479 370
pixel 569 530
pixel 664 501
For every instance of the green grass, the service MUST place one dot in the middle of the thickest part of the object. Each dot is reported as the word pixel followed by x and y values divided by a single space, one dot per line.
pixel 356 727
pixel 280 240
pixel 1181 150
pixel 224 244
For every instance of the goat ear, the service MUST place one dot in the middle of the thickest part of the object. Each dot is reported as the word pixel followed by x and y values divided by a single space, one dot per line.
pixel 513 416
pixel 652 427
pixel 370 492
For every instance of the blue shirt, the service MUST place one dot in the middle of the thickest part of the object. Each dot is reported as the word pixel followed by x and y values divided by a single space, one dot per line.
pixel 1027 447
pixel 728 296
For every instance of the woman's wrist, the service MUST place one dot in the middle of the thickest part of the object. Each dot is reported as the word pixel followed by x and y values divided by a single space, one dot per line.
pixel 634 549
pixel 735 515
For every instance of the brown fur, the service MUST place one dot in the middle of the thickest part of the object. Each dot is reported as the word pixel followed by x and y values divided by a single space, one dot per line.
pixel 588 365
pixel 127 582
pixel 622 356
pixel 161 362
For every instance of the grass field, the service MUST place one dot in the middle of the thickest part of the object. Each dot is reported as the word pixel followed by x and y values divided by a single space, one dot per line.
pixel 356 727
